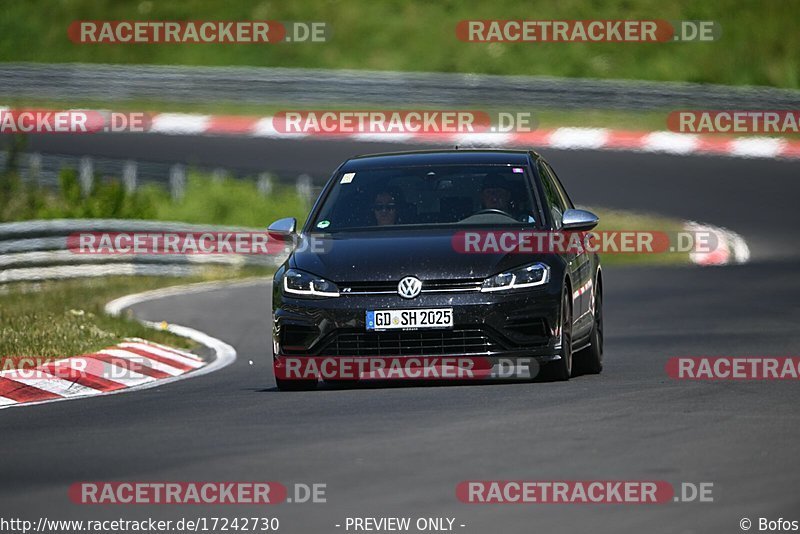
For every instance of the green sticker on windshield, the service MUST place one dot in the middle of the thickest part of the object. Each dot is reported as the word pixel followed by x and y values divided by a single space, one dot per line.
pixel 323 224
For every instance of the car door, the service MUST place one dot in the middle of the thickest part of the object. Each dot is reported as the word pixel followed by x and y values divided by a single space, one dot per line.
pixel 579 264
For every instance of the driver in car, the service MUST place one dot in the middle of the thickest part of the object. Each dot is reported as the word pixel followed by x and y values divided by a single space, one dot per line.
pixel 496 193
pixel 384 208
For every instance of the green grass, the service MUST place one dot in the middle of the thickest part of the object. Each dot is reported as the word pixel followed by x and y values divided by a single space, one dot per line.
pixel 225 201
pixel 759 44
pixel 58 319
pixel 232 202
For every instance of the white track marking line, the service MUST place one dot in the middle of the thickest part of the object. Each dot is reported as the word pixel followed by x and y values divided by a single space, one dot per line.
pixel 116 306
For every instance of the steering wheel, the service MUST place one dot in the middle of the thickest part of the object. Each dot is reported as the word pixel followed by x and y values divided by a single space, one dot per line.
pixel 494 211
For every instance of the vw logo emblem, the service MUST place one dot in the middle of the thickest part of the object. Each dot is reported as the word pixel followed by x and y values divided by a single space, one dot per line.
pixel 409 287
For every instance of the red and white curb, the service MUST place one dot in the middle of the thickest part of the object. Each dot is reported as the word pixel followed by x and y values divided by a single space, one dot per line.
pixel 559 138
pixel 731 248
pixel 568 138
pixel 129 366
pixel 132 363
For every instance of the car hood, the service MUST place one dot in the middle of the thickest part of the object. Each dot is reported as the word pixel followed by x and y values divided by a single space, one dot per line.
pixel 389 257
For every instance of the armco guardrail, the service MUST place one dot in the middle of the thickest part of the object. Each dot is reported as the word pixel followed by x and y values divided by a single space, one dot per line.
pixel 45 168
pixel 72 81
pixel 37 250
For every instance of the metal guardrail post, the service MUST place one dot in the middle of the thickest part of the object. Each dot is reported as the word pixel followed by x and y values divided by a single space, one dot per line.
pixel 86 175
pixel 34 166
pixel 303 186
pixel 129 170
pixel 177 181
pixel 264 184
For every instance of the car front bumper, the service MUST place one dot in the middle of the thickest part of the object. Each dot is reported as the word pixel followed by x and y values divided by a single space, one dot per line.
pixel 500 329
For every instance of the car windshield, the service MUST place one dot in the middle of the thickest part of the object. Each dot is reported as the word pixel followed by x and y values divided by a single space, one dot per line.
pixel 439 195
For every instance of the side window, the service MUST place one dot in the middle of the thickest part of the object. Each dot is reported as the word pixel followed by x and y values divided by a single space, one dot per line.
pixel 555 203
pixel 567 202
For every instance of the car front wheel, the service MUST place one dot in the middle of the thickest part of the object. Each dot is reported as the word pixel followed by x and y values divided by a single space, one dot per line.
pixel 592 356
pixel 561 369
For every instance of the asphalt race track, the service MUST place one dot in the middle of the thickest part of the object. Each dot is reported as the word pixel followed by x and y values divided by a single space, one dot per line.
pixel 402 450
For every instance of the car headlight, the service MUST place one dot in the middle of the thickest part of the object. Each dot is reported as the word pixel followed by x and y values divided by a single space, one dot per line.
pixel 529 276
pixel 296 282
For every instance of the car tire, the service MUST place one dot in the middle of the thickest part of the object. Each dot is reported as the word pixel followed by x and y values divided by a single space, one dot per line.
pixel 561 369
pixel 295 385
pixel 591 358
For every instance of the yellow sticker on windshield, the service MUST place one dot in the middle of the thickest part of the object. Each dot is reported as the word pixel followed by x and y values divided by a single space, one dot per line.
pixel 347 177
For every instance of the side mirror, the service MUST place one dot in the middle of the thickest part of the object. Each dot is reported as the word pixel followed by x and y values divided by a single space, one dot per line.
pixel 578 220
pixel 285 227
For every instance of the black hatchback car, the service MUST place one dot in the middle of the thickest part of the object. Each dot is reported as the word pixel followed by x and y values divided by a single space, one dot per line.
pixel 400 267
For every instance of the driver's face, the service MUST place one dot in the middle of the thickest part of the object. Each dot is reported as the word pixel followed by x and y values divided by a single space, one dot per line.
pixel 385 209
pixel 496 198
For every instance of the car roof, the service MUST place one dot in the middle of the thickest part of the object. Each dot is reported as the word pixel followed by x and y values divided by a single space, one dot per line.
pixel 439 157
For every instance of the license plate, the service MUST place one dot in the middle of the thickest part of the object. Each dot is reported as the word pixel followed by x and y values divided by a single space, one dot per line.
pixel 410 319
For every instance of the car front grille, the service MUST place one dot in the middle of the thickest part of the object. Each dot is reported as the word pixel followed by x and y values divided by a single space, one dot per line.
pixel 428 286
pixel 458 341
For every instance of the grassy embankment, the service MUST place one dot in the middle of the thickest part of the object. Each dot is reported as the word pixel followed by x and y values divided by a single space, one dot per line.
pixel 759 44
pixel 65 318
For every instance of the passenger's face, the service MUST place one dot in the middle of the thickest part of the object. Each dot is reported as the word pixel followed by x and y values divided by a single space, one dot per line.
pixel 496 198
pixel 385 209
